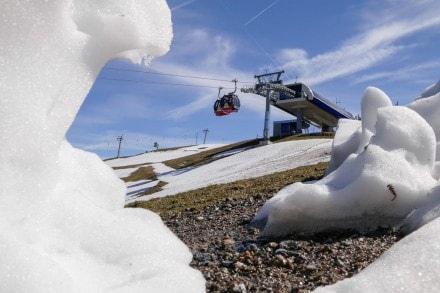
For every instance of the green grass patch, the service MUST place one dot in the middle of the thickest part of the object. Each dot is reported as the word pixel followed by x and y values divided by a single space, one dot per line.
pixel 199 198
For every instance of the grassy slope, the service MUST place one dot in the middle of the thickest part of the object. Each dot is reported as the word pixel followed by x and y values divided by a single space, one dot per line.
pixel 199 198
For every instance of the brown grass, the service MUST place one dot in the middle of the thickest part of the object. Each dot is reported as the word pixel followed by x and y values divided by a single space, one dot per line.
pixel 199 198
pixel 143 173
pixel 207 156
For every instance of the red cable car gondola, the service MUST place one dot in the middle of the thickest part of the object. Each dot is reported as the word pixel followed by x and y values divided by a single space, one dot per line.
pixel 228 103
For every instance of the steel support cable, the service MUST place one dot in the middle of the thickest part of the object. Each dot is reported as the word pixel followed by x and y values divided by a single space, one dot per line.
pixel 159 83
pixel 174 75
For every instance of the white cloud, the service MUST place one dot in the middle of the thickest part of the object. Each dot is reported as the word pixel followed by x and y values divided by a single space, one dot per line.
pixel 202 101
pixel 364 50
pixel 406 73
pixel 182 5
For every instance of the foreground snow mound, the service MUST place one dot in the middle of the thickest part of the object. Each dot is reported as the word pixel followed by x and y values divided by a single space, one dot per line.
pixel 346 141
pixel 430 91
pixel 353 135
pixel 425 214
pixel 429 108
pixel 376 186
pixel 410 265
pixel 63 223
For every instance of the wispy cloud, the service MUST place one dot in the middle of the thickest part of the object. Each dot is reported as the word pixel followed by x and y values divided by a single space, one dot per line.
pixel 182 5
pixel 362 51
pixel 405 73
pixel 261 12
pixel 213 63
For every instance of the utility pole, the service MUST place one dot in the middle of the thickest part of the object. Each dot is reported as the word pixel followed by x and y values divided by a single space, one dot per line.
pixel 120 139
pixel 197 136
pixel 206 130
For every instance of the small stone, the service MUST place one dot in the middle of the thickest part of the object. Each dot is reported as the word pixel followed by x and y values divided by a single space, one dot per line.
pixel 272 245
pixel 311 266
pixel 253 247
pixel 282 251
pixel 228 241
pixel 339 262
pixel 240 266
pixel 226 263
pixel 197 255
pixel 200 218
pixel 289 244
pixel 239 288
pixel 279 260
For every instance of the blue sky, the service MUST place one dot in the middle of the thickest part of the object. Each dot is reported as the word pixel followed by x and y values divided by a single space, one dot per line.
pixel 337 47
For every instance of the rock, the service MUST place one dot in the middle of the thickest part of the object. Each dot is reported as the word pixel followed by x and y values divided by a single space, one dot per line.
pixel 233 258
pixel 253 247
pixel 239 288
pixel 282 251
pixel 280 260
pixel 272 245
pixel 228 241
pixel 311 266
pixel 288 245
pixel 240 266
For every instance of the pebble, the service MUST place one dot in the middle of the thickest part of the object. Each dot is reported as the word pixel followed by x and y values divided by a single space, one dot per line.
pixel 233 258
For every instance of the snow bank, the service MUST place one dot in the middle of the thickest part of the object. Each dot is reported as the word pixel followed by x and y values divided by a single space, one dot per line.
pixel 429 108
pixel 428 105
pixel 63 225
pixel 379 173
pixel 379 184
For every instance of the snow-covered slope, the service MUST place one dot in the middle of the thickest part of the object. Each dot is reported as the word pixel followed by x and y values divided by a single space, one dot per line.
pixel 243 164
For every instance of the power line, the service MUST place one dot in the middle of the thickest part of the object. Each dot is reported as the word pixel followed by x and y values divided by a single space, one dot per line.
pixel 160 83
pixel 174 75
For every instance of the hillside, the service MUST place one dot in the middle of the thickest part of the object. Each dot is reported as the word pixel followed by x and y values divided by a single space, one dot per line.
pixel 175 171
pixel 213 222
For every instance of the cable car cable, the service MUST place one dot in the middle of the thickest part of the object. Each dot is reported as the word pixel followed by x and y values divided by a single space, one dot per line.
pixel 158 82
pixel 174 75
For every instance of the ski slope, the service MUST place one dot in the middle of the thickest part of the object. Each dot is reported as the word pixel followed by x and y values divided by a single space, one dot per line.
pixel 241 164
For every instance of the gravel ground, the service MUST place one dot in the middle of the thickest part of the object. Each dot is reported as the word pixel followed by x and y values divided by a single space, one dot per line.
pixel 233 258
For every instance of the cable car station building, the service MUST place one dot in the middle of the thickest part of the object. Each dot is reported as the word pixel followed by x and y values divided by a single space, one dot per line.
pixel 299 100
pixel 310 107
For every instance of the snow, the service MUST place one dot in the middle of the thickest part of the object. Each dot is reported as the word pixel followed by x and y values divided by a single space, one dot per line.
pixel 383 172
pixel 63 225
pixel 161 155
pixel 243 164
pixel 379 184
